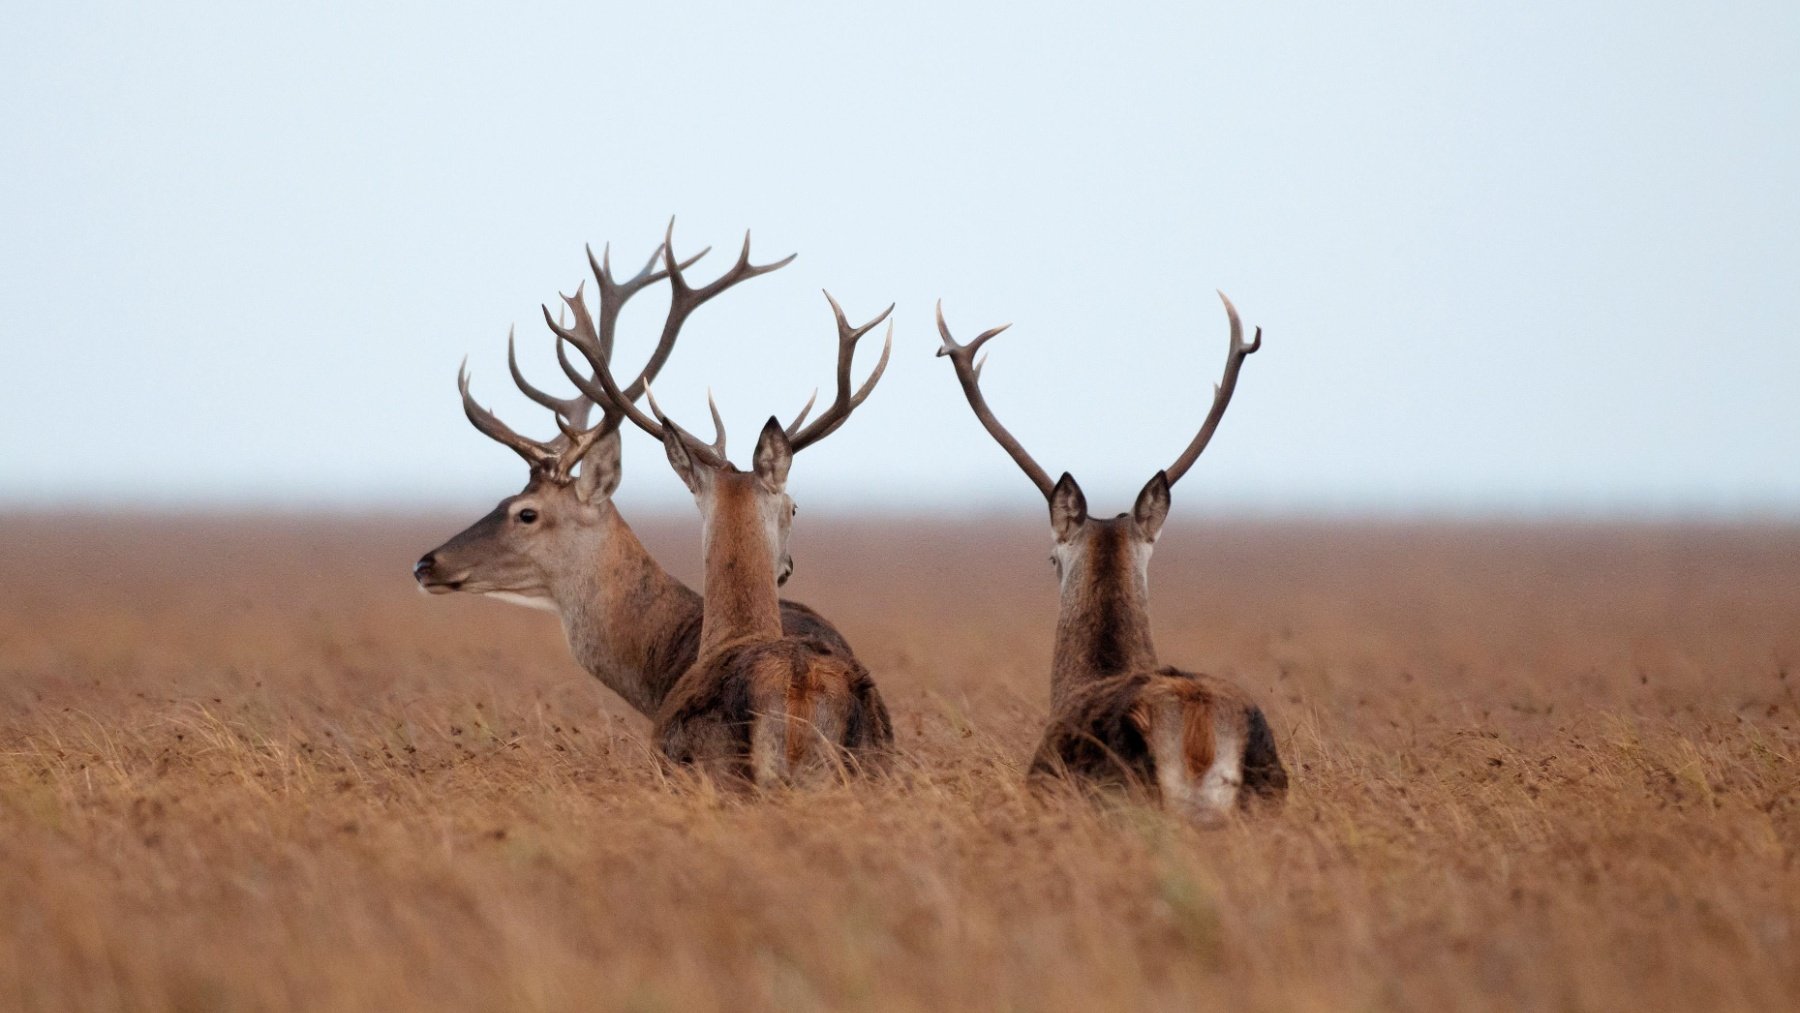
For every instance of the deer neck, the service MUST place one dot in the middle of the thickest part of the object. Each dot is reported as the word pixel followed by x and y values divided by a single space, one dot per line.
pixel 626 617
pixel 741 596
pixel 1103 625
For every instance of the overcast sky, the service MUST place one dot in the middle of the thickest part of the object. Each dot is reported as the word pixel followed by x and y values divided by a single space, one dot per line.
pixel 1528 257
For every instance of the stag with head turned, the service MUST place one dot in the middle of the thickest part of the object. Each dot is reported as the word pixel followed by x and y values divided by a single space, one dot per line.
pixel 560 544
pixel 761 703
pixel 1118 716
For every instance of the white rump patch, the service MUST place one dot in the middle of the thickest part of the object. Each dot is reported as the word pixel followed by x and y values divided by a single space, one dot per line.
pixel 1209 801
pixel 1219 787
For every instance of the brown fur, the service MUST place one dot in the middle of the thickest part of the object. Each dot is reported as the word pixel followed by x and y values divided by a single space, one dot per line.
pixel 1108 694
pixel 1100 735
pixel 1103 628
pixel 749 670
pixel 677 646
pixel 740 586
pixel 799 699
pixel 709 719
pixel 1197 737
pixel 657 619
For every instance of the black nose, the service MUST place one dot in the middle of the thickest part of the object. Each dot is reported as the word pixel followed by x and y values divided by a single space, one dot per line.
pixel 422 568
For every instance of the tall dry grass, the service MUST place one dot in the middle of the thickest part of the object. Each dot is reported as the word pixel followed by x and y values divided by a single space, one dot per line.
pixel 243 765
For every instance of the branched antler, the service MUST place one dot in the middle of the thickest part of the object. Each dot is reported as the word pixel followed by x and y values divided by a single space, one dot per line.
pixel 595 339
pixel 1234 361
pixel 684 299
pixel 968 373
pixel 845 402
pixel 557 457
pixel 574 409
pixel 534 453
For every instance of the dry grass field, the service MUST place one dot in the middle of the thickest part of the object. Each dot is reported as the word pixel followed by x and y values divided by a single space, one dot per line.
pixel 244 765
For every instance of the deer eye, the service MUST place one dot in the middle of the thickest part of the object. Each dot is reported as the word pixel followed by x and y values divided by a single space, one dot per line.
pixel 528 516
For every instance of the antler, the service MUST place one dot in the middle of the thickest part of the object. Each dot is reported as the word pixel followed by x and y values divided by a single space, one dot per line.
pixel 1234 361
pixel 827 423
pixel 595 337
pixel 684 299
pixel 968 372
pixel 575 409
pixel 845 402
pixel 613 295
pixel 562 453
pixel 534 453
pixel 714 451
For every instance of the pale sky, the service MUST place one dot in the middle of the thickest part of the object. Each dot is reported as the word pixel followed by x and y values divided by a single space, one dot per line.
pixel 1531 257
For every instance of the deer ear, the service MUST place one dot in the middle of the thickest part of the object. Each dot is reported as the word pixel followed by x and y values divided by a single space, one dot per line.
pixel 599 477
pixel 1152 507
pixel 1068 508
pixel 774 455
pixel 693 474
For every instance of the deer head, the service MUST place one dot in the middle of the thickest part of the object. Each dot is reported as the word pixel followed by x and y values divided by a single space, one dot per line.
pixel 550 532
pixel 1091 549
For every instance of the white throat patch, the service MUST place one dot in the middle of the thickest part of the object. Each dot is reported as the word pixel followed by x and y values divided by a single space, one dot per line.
pixel 525 601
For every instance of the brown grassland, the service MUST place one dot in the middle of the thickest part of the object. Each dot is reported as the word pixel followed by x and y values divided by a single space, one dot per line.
pixel 244 765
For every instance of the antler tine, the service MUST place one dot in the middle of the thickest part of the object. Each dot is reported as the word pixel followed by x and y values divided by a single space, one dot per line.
pixel 582 334
pixel 793 429
pixel 887 348
pixel 576 442
pixel 586 384
pixel 575 409
pixel 713 453
pixel 589 384
pixel 649 274
pixel 805 409
pixel 968 373
pixel 534 453
pixel 718 443
pixel 685 299
pixel 862 393
pixel 1234 361
pixel 614 293
pixel 589 387
pixel 847 399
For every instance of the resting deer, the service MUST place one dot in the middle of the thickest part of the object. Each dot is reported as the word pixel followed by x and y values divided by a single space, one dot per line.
pixel 1117 716
pixel 560 544
pixel 761 703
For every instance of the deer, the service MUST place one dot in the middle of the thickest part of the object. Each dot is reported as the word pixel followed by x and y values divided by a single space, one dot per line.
pixel 1118 717
pixel 760 704
pixel 560 544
